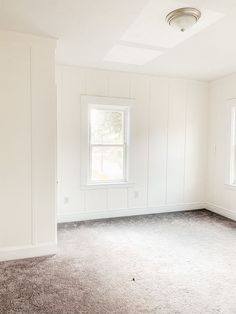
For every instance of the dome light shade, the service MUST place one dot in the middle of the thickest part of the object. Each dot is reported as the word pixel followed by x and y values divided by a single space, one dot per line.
pixel 183 18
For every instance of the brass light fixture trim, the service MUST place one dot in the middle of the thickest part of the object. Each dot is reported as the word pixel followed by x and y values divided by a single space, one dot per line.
pixel 183 12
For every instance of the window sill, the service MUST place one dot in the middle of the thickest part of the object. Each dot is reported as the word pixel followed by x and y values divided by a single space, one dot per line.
pixel 107 186
pixel 230 186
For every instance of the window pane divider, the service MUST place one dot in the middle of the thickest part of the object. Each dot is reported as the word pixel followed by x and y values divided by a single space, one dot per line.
pixel 94 144
pixel 107 145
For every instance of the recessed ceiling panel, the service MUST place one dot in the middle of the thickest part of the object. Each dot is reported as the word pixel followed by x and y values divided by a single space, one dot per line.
pixel 87 32
pixel 150 27
pixel 131 55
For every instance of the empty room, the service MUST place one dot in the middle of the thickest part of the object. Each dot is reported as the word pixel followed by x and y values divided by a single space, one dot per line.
pixel 118 156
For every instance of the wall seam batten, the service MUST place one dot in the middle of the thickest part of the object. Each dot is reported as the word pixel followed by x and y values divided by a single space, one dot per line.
pixel 33 209
pixel 167 141
pixel 185 139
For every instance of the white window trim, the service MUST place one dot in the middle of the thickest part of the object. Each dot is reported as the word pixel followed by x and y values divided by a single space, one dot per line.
pixel 107 103
pixel 231 123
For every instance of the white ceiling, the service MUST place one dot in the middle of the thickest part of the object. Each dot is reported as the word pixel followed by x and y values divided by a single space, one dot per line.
pixel 88 31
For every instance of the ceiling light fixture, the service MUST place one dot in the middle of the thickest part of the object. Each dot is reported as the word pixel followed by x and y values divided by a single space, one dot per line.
pixel 183 18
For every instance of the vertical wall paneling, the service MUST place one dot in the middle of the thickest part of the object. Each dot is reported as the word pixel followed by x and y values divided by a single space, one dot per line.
pixel 176 141
pixel 96 82
pixel 44 124
pixel 59 140
pixel 158 136
pixel 137 195
pixel 167 122
pixel 28 146
pixel 117 199
pixel 118 84
pixel 15 142
pixel 196 130
pixel 73 82
pixel 220 196
pixel 96 200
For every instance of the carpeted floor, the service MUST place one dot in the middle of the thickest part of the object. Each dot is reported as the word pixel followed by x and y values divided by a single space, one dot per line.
pixel 167 263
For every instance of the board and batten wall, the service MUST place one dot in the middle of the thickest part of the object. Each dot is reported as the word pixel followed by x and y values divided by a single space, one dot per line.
pixel 168 155
pixel 28 146
pixel 221 197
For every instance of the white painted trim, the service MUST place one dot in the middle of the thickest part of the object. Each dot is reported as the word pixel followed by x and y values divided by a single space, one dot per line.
pixel 100 214
pixel 107 186
pixel 103 103
pixel 230 124
pixel 230 186
pixel 21 252
pixel 108 101
pixel 221 211
pixel 14 37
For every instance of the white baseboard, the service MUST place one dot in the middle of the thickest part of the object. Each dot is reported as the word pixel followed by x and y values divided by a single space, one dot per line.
pixel 13 253
pixel 221 211
pixel 100 214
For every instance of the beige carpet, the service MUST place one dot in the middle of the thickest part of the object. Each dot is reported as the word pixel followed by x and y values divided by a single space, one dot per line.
pixel 164 264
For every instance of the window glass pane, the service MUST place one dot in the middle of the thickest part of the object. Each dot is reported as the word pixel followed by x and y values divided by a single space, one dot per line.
pixel 106 126
pixel 234 166
pixel 107 163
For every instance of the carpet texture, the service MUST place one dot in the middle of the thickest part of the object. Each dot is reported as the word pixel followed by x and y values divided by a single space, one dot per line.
pixel 168 263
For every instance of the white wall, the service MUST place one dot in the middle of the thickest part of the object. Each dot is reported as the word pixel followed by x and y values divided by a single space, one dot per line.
pixel 221 198
pixel 28 146
pixel 168 144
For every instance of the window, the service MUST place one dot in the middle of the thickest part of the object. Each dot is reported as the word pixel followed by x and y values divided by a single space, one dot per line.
pixel 107 144
pixel 105 131
pixel 233 145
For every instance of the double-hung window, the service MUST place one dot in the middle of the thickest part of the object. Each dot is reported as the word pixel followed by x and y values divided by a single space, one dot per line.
pixel 233 143
pixel 106 140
